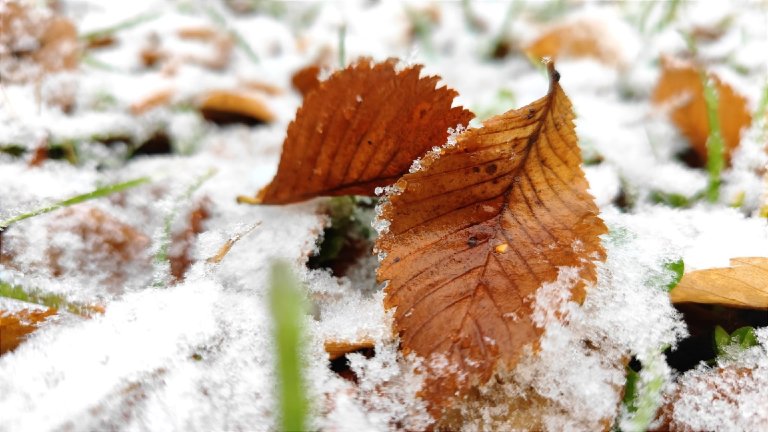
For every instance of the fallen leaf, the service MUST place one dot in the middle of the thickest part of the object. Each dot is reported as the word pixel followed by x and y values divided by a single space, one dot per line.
pixel 16 326
pixel 477 231
pixel 336 349
pixel 222 44
pixel 35 42
pixel 680 91
pixel 744 284
pixel 727 391
pixel 306 79
pixel 154 100
pixel 228 105
pixel 107 252
pixel 263 87
pixel 361 129
pixel 577 38
pixel 183 242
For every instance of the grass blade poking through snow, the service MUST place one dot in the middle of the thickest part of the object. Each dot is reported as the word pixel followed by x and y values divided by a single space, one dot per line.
pixel 715 144
pixel 51 300
pixel 287 305
pixel 163 264
pixel 643 396
pixel 98 193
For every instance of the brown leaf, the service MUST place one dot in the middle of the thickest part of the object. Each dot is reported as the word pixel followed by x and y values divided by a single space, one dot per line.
pixel 476 232
pixel 183 242
pixel 15 326
pixel 579 38
pixel 154 100
pixel 361 129
pixel 336 348
pixel 227 106
pixel 108 250
pixel 681 91
pixel 34 42
pixel 305 79
pixel 727 391
pixel 744 284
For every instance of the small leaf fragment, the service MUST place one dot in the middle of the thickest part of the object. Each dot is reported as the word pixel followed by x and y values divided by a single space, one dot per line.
pixel 225 106
pixel 16 326
pixel 336 349
pixel 678 268
pixel 744 285
pixel 476 231
pixel 359 130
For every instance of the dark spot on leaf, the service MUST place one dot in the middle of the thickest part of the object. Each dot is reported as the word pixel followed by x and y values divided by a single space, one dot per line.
pixel 475 169
pixel 490 169
pixel 472 241
pixel 531 113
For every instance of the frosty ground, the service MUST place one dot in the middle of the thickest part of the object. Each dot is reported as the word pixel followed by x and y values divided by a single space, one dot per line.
pixel 198 354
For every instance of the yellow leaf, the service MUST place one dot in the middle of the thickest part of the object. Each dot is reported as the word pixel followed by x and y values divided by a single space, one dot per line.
pixel 744 284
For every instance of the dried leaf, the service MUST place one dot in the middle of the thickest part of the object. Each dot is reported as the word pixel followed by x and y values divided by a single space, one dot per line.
pixel 305 79
pixel 744 284
pixel 154 100
pixel 226 106
pixel 577 38
pixel 726 393
pixel 361 129
pixel 15 326
pixel 477 231
pixel 109 250
pixel 183 242
pixel 336 349
pixel 681 91
pixel 35 42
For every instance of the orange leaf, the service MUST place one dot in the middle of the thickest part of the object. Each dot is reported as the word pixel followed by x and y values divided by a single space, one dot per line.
pixel 361 129
pixel 336 349
pixel 681 90
pixel 744 284
pixel 225 105
pixel 14 327
pixel 154 100
pixel 581 38
pixel 305 79
pixel 34 42
pixel 477 231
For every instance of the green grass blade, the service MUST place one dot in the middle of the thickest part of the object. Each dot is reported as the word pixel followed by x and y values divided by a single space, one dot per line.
pixel 38 297
pixel 161 256
pixel 342 46
pixel 715 143
pixel 286 303
pixel 123 25
pixel 98 193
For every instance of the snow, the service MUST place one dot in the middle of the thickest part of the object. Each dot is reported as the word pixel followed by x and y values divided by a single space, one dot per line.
pixel 198 355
